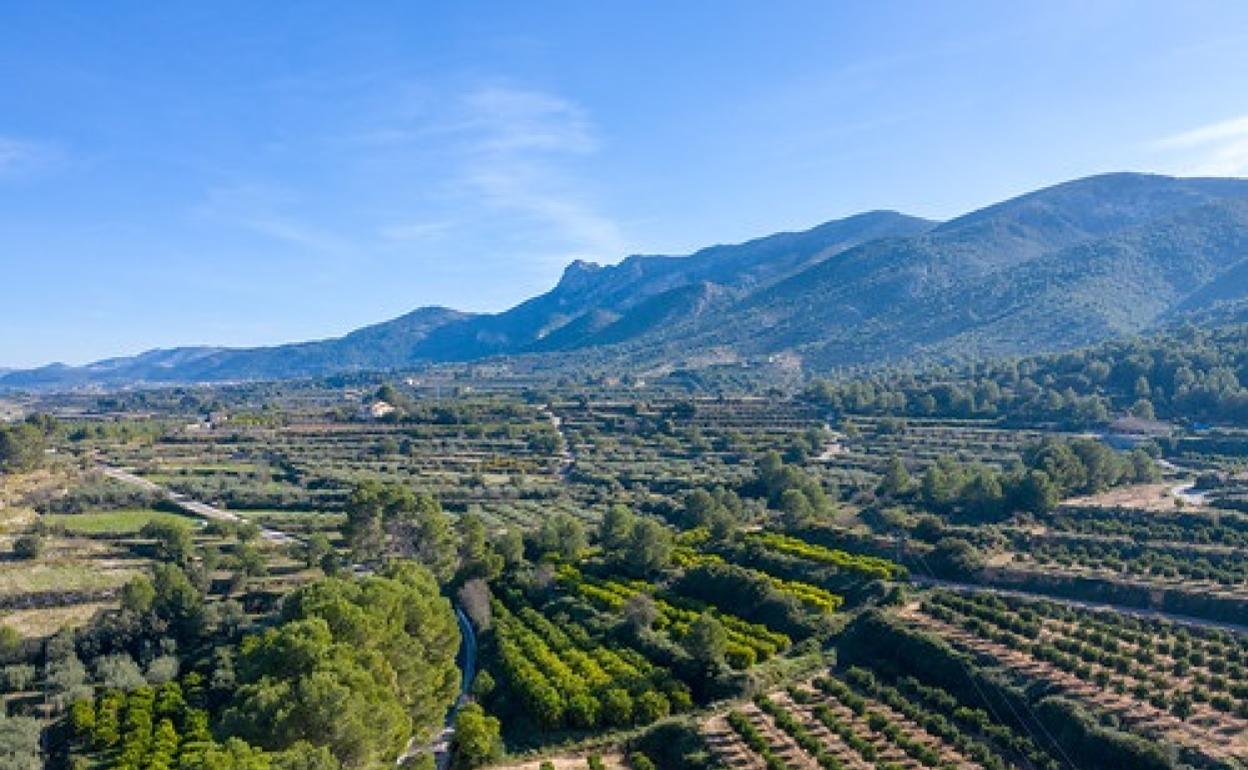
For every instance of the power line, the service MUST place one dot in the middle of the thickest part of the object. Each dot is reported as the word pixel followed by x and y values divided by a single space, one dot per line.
pixel 1008 701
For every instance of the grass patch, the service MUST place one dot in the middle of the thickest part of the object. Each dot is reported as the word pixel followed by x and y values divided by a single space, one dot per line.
pixel 18 577
pixel 46 621
pixel 124 522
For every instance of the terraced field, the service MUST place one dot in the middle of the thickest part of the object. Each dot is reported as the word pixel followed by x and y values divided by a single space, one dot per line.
pixel 497 465
pixel 638 565
pixel 831 725
pixel 1161 680
pixel 691 442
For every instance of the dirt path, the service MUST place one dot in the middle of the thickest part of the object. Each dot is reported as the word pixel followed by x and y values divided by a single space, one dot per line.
pixel 1121 609
pixel 1159 497
pixel 567 458
pixel 612 760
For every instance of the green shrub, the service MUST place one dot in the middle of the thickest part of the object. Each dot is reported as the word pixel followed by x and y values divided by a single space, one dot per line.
pixel 640 761
pixel 28 546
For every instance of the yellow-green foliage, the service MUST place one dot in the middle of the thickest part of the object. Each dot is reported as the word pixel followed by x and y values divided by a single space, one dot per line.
pixel 867 566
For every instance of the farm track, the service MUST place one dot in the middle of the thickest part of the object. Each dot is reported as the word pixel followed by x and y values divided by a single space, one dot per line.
pixel 1073 536
pixel 567 455
pixel 1121 609
pixel 194 507
pixel 1030 567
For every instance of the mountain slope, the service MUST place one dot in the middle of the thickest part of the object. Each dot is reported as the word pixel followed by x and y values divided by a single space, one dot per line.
pixel 609 293
pixel 587 301
pixel 1000 280
pixel 1063 266
pixel 382 346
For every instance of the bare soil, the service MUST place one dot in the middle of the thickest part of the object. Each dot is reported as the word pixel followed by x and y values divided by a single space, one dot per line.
pixel 613 760
pixel 1149 497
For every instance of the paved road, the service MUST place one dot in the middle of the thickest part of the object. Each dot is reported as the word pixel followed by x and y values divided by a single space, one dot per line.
pixel 1186 491
pixel 470 658
pixel 440 746
pixel 1101 606
pixel 193 507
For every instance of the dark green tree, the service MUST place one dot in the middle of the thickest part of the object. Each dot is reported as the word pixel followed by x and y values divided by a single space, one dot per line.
pixel 706 641
pixel 477 557
pixel 648 547
pixel 562 535
pixel 896 481
pixel 173 540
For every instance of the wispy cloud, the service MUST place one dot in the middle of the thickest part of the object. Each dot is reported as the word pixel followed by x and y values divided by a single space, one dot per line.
pixel 509 162
pixel 518 146
pixel 264 210
pixel 406 232
pixel 512 120
pixel 534 191
pixel 1216 149
pixel 19 157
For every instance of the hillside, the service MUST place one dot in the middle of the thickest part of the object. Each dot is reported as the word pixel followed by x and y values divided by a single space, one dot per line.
pixel 1061 267
pixel 1064 266
pixel 381 346
pixel 590 302
pixel 943 301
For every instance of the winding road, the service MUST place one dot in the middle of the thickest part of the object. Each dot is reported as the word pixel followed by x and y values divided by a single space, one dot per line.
pixel 1185 489
pixel 441 745
pixel 469 666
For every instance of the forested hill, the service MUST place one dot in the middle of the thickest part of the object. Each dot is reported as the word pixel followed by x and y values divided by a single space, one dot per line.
pixel 1189 374
pixel 1066 266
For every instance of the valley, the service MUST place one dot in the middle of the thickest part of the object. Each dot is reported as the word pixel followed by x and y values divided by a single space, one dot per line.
pixel 1033 563
pixel 624 386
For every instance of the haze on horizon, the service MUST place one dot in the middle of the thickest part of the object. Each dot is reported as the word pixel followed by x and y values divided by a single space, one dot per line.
pixel 242 174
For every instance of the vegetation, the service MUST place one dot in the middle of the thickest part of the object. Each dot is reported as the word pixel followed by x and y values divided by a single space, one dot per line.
pixel 356 666
pixel 22 445
pixel 680 579
pixel 1189 374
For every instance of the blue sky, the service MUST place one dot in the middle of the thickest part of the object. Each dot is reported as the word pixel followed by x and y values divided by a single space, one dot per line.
pixel 249 173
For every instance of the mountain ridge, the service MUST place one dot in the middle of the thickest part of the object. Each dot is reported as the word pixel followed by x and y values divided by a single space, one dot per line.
pixel 1068 264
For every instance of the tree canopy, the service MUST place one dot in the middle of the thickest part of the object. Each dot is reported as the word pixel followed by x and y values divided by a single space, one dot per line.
pixel 391 520
pixel 358 666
